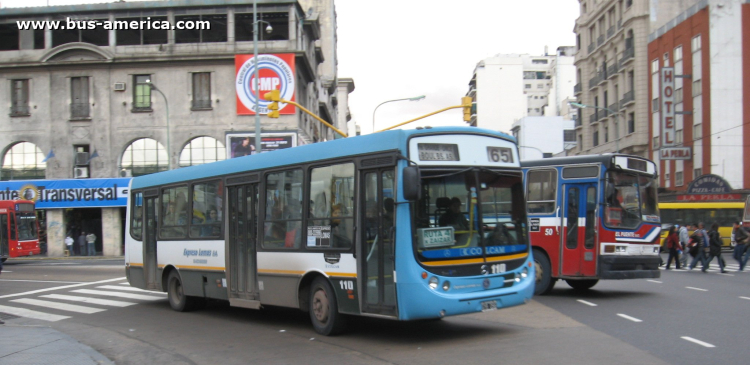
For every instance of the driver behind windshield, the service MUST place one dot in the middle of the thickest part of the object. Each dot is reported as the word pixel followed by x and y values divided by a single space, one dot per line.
pixel 453 217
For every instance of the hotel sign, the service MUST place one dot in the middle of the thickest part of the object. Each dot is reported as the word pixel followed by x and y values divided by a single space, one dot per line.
pixel 676 153
pixel 667 107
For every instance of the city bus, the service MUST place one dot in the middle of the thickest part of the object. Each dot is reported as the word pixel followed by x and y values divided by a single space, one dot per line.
pixel 345 227
pixel 725 213
pixel 591 218
pixel 19 231
pixel 746 215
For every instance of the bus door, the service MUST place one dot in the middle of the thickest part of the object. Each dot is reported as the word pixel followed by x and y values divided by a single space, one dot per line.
pixel 578 244
pixel 149 244
pixel 4 243
pixel 242 230
pixel 376 251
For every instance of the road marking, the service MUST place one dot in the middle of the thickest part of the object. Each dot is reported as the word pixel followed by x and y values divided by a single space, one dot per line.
pixel 59 287
pixel 745 298
pixel 28 313
pixel 629 317
pixel 60 306
pixel 111 303
pixel 698 289
pixel 44 281
pixel 117 294
pixel 654 281
pixel 725 274
pixel 130 289
pixel 124 283
pixel 587 303
pixel 704 344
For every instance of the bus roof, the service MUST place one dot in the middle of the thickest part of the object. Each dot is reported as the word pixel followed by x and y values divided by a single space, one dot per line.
pixel 605 159
pixel 359 145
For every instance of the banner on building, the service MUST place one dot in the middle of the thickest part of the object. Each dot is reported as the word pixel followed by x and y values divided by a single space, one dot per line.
pixel 59 194
pixel 243 144
pixel 676 153
pixel 275 72
pixel 709 184
pixel 667 107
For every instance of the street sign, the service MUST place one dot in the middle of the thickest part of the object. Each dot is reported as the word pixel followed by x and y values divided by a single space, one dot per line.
pixel 676 153
pixel 667 107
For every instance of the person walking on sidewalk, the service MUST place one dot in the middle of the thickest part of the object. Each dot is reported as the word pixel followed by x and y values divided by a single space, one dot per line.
pixel 701 240
pixel 684 239
pixel 741 240
pixel 91 240
pixel 673 244
pixel 715 244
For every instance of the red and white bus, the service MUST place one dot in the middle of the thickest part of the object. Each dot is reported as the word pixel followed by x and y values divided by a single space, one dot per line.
pixel 19 231
pixel 746 215
pixel 592 217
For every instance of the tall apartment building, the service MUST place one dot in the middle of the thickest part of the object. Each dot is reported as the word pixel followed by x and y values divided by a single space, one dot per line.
pixel 506 88
pixel 612 76
pixel 706 44
pixel 99 104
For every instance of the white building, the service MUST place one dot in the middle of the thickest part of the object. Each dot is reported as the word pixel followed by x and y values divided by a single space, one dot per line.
pixel 506 88
pixel 542 137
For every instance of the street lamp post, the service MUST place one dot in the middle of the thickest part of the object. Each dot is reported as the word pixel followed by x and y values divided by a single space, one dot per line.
pixel 534 148
pixel 617 117
pixel 416 98
pixel 256 83
pixel 166 103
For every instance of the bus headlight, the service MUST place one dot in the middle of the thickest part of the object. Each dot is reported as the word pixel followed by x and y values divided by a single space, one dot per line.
pixel 525 272
pixel 433 282
pixel 518 277
pixel 446 285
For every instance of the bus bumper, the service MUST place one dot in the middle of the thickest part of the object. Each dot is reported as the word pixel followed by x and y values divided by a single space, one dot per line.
pixel 629 267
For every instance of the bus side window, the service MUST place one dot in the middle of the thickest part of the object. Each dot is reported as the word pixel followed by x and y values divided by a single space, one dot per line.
pixel 136 217
pixel 12 225
pixel 542 191
pixel 283 221
pixel 332 212
pixel 174 219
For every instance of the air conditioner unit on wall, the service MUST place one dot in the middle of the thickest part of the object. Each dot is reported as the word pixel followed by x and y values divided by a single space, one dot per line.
pixel 81 172
pixel 82 158
pixel 119 86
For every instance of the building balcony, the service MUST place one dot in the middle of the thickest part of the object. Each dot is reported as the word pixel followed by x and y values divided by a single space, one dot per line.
pixel 627 56
pixel 593 118
pixel 201 104
pixel 610 32
pixel 577 89
pixel 600 40
pixel 602 75
pixel 614 107
pixel 619 24
pixel 603 114
pixel 594 81
pixel 80 111
pixel 579 120
pixel 612 71
pixel 19 111
pixel 627 99
pixel 592 46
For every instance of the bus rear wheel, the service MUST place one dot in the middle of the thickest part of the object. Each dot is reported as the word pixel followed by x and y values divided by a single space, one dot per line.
pixel 543 269
pixel 582 284
pixel 176 294
pixel 324 311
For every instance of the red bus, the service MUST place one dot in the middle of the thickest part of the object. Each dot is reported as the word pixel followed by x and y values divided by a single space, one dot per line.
pixel 592 217
pixel 19 231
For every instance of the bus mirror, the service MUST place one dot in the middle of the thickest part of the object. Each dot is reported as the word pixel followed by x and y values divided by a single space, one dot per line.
pixel 412 183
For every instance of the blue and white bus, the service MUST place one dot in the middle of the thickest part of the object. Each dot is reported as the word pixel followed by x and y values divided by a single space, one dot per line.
pixel 404 225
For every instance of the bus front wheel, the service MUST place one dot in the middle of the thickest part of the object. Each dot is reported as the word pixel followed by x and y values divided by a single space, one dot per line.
pixel 544 280
pixel 324 311
pixel 176 294
pixel 582 284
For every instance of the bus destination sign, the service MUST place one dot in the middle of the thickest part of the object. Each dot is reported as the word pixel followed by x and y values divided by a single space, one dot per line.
pixel 435 237
pixel 438 152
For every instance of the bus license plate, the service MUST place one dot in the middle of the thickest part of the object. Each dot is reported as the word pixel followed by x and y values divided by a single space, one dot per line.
pixel 489 305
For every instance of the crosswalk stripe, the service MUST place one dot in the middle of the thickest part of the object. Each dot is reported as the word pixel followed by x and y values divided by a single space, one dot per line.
pixel 130 289
pixel 117 294
pixel 59 306
pixel 28 313
pixel 111 303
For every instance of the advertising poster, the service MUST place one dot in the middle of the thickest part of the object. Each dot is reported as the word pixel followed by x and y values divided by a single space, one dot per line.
pixel 243 144
pixel 275 72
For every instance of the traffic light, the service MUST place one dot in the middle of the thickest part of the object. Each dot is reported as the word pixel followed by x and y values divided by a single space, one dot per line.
pixel 273 108
pixel 466 102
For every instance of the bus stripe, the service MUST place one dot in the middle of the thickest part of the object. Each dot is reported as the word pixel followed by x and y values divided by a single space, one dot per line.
pixel 297 272
pixel 206 268
pixel 474 261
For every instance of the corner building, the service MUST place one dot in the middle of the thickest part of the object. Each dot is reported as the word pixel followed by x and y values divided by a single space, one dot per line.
pixel 82 113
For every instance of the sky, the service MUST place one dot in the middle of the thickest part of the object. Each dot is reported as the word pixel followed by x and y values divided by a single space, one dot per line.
pixel 396 49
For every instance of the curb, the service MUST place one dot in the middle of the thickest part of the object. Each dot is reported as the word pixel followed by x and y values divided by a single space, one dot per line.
pixel 33 258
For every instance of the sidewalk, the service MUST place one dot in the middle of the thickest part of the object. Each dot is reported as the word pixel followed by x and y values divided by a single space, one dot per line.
pixel 44 345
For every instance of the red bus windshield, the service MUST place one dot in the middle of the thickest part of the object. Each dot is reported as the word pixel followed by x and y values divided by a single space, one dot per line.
pixel 629 200
pixel 27 230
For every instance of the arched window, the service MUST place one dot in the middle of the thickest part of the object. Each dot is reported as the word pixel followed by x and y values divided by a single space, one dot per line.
pixel 202 150
pixel 23 161
pixel 144 156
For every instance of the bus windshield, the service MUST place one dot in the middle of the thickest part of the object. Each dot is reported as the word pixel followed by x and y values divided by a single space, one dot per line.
pixel 630 199
pixel 470 213
pixel 26 226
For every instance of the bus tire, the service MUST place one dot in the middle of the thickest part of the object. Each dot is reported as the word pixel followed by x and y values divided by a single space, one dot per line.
pixel 582 284
pixel 177 298
pixel 324 311
pixel 543 269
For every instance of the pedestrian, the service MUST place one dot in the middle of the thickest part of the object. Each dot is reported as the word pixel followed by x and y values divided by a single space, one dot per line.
pixel 684 240
pixel 701 242
pixel 69 245
pixel 673 245
pixel 82 243
pixel 740 243
pixel 715 243
pixel 91 240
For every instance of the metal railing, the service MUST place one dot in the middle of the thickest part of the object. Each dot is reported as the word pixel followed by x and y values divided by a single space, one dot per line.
pixel 611 31
pixel 628 97
pixel 80 110
pixel 577 89
pixel 592 45
pixel 19 110
pixel 201 104
pixel 594 117
pixel 600 40
pixel 614 107
pixel 612 70
pixel 594 81
pixel 627 55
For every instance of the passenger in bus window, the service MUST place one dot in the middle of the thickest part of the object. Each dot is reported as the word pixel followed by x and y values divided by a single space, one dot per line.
pixel 453 217
pixel 339 234
pixel 210 225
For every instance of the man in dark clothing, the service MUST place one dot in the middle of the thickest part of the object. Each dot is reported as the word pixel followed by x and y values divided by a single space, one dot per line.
pixel 454 217
pixel 715 244
pixel 701 238
pixel 82 243
pixel 741 240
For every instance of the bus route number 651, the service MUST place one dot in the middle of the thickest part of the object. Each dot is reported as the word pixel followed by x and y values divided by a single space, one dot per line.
pixel 500 154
